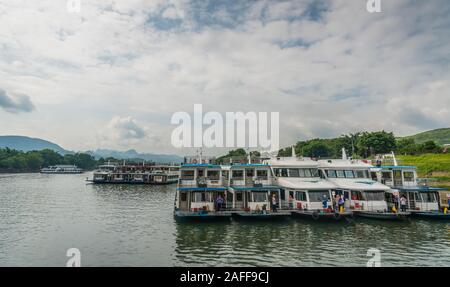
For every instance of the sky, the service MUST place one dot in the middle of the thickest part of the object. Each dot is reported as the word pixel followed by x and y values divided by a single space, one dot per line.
pixel 112 74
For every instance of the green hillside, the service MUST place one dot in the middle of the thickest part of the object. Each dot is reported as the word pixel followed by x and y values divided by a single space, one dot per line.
pixel 440 136
pixel 434 166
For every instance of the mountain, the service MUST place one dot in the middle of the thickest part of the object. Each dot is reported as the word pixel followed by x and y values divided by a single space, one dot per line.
pixel 27 144
pixel 440 136
pixel 132 154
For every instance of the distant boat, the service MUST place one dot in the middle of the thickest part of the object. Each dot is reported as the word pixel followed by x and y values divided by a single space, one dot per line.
pixel 62 169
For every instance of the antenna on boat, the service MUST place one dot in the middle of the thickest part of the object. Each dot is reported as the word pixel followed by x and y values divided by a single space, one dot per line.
pixel 344 154
pixel 394 159
pixel 293 152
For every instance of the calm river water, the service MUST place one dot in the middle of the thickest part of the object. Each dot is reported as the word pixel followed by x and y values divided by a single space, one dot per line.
pixel 41 216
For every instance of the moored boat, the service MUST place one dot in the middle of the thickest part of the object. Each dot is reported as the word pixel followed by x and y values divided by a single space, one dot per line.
pixel 304 192
pixel 61 169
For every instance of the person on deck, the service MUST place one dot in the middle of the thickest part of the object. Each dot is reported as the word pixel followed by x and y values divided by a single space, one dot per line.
pixel 403 203
pixel 219 202
pixel 341 203
pixel 274 203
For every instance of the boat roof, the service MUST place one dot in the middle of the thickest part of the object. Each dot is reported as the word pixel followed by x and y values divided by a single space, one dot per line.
pixel 358 184
pixel 194 165
pixel 420 189
pixel 193 188
pixel 344 163
pixel 292 162
pixel 243 165
pixel 305 183
pixel 395 167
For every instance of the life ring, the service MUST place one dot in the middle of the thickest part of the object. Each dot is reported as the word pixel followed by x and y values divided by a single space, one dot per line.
pixel 337 215
pixel 315 215
pixel 194 161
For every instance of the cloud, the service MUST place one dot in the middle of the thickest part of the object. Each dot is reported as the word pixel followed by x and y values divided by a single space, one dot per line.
pixel 329 67
pixel 125 128
pixel 15 104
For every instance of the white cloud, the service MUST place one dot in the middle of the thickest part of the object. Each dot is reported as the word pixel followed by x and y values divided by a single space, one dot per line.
pixel 329 69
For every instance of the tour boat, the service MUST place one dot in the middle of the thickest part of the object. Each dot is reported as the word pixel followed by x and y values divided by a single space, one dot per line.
pixel 199 187
pixel 363 195
pixel 135 174
pixel 61 169
pixel 252 192
pixel 421 199
pixel 303 190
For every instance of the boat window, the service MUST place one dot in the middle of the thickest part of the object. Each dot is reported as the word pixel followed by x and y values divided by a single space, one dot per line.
pixel 429 197
pixel 349 174
pixel 183 196
pixel 202 197
pixel 301 172
pixel 340 173
pixel 386 175
pixel 238 196
pixel 408 176
pixel 200 172
pixel 314 172
pixel 300 195
pixel 261 174
pixel 259 196
pixel 187 174
pixel 308 173
pixel 356 195
pixel 374 195
pixel 360 173
pixel 293 172
pixel 318 195
pixel 331 173
pixel 238 174
pixel 249 172
pixel 284 172
pixel 213 174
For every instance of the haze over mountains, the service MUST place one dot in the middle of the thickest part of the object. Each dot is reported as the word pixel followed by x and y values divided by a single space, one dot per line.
pixel 28 144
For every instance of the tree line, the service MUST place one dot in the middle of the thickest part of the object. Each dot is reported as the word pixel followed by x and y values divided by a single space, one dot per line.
pixel 32 161
pixel 361 145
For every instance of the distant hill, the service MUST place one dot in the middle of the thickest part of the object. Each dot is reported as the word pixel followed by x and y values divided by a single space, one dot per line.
pixel 27 144
pixel 132 154
pixel 440 136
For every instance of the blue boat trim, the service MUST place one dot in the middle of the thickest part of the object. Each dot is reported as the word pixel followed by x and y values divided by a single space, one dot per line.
pixel 420 189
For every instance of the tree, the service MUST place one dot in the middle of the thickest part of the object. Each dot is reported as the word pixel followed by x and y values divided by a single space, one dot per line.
pixel 430 147
pixel 317 149
pixel 371 143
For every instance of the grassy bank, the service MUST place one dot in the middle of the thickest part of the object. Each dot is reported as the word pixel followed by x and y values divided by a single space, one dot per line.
pixel 435 166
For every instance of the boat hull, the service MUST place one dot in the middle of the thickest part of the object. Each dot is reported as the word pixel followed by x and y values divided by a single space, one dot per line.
pixel 432 215
pixel 322 216
pixel 200 216
pixel 242 215
pixel 382 215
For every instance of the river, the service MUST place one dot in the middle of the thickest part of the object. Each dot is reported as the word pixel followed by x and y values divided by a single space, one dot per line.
pixel 42 216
